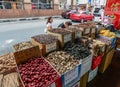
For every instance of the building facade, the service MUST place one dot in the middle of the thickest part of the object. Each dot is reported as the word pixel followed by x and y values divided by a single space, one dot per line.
pixel 28 8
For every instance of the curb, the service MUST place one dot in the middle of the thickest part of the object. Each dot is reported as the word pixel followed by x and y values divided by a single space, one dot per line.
pixel 26 19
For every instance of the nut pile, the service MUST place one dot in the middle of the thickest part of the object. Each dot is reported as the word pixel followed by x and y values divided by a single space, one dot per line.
pixel 9 80
pixel 79 51
pixel 44 38
pixel 62 61
pixel 37 73
pixel 7 62
pixel 60 31
pixel 22 46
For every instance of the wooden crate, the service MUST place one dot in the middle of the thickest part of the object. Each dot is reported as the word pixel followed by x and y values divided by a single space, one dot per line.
pixel 24 55
pixel 86 29
pixel 75 33
pixel 62 39
pixel 55 83
pixel 106 61
pixel 46 48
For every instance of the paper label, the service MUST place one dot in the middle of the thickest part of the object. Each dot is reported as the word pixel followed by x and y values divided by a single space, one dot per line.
pixel 78 34
pixel 93 30
pixel 71 75
pixel 51 47
pixel 67 38
pixel 103 49
pixel 86 65
pixel 87 31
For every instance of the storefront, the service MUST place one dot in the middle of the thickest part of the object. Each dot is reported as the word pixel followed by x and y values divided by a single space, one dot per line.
pixel 11 4
pixel 42 4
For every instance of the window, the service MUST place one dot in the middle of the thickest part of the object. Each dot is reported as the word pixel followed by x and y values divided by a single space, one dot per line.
pixel 11 4
pixel 42 4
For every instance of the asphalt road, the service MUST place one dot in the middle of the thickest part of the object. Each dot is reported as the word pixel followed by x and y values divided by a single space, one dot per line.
pixel 12 33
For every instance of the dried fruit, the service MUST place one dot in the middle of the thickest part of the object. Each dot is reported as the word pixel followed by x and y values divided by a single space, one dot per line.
pixel 22 46
pixel 62 61
pixel 37 72
pixel 7 62
pixel 60 31
pixel 44 38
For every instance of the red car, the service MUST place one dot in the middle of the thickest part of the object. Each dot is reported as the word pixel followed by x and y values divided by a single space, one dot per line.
pixel 81 16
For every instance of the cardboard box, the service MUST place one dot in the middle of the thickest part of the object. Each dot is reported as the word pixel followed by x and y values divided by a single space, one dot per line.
pixel 62 39
pixel 46 48
pixel 106 61
pixel 55 83
pixel 76 33
pixel 92 74
pixel 84 79
pixel 71 77
pixel 26 54
pixel 86 65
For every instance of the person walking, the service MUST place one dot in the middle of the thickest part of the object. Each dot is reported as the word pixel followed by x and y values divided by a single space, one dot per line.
pixel 49 24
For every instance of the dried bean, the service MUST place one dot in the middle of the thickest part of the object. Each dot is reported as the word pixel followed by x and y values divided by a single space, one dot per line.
pixel 44 38
pixel 60 31
pixel 22 46
pixel 7 62
pixel 62 61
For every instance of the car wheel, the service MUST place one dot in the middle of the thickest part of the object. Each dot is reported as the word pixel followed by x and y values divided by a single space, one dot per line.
pixel 82 20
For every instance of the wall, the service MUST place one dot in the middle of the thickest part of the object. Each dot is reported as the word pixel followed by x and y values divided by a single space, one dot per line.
pixel 28 13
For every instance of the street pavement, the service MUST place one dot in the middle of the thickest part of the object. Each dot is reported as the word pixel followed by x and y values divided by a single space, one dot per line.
pixel 15 32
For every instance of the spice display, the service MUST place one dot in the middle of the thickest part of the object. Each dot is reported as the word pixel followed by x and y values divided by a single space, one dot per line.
pixel 22 46
pixel 60 31
pixel 7 62
pixel 93 45
pixel 62 61
pixel 37 72
pixel 44 38
pixel 10 80
pixel 79 51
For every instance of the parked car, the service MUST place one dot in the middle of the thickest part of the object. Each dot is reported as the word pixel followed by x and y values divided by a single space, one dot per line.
pixel 81 16
pixel 66 14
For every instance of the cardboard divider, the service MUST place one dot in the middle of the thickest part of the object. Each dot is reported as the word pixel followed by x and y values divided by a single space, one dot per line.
pixel 62 39
pixel 26 54
pixel 106 61
pixel 46 48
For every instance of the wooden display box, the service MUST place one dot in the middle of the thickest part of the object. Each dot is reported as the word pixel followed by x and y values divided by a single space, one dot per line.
pixel 86 29
pixel 26 54
pixel 75 33
pixel 62 39
pixel 55 83
pixel 83 80
pixel 106 61
pixel 46 48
